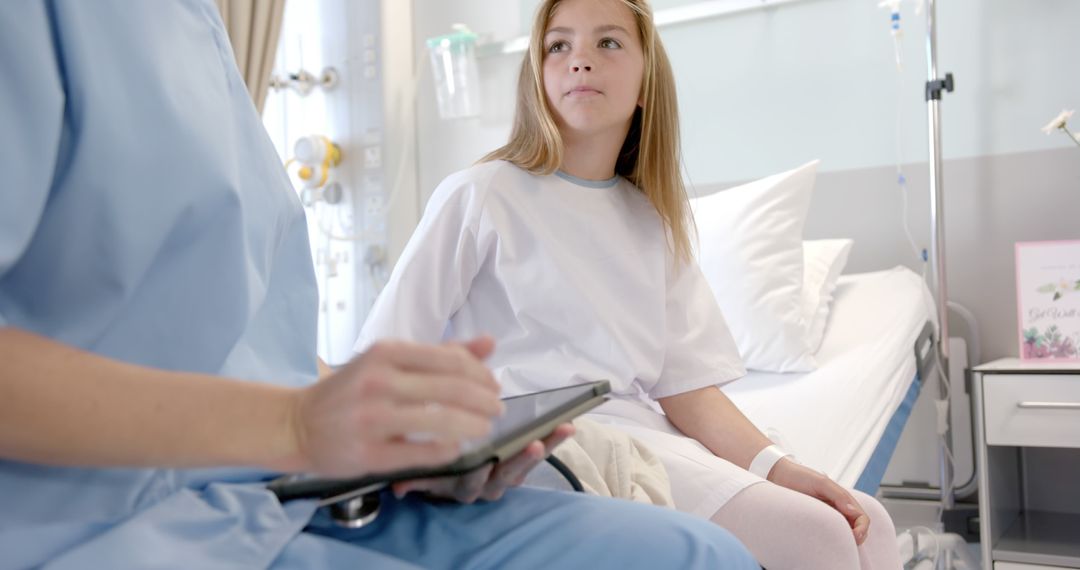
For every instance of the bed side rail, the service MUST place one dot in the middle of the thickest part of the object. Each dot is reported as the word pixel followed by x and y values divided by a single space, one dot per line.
pixel 925 355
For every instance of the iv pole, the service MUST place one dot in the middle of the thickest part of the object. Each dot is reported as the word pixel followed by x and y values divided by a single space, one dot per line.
pixel 934 88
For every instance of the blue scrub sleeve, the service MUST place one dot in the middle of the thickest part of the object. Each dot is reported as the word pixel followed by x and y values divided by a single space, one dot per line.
pixel 31 123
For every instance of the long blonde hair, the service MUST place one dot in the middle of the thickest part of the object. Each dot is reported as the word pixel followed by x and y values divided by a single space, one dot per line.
pixel 650 154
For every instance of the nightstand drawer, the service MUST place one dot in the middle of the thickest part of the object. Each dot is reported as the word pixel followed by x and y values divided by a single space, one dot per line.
pixel 1036 410
pixel 1016 566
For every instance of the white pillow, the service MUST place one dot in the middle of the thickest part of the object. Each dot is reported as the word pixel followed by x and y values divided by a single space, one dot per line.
pixel 750 251
pixel 823 262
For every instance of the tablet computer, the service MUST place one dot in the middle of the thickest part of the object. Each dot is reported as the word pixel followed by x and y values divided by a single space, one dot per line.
pixel 527 418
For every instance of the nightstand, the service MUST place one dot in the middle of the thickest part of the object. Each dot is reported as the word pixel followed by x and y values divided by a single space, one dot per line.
pixel 1027 448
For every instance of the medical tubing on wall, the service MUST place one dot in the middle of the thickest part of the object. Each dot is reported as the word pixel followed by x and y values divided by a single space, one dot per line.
pixel 395 189
pixel 327 329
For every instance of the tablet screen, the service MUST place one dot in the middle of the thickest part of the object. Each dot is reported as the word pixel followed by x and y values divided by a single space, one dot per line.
pixel 521 410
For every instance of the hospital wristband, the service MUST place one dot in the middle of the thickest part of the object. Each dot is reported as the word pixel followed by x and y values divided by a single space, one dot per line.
pixel 765 460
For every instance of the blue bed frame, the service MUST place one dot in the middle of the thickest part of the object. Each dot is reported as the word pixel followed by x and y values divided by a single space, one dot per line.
pixel 870 479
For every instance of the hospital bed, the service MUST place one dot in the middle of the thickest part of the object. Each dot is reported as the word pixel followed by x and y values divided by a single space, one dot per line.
pixel 846 417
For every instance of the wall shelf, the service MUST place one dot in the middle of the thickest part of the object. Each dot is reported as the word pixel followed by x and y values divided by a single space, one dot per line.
pixel 695 12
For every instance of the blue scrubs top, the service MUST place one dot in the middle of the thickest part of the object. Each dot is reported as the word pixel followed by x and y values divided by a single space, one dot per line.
pixel 144 217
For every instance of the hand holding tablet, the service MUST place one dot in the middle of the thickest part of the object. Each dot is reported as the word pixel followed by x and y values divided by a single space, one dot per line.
pixel 527 418
pixel 357 419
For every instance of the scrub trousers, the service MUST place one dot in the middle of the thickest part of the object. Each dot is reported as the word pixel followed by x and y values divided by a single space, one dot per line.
pixel 528 528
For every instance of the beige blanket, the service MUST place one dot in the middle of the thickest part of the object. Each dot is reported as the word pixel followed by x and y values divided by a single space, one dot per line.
pixel 610 463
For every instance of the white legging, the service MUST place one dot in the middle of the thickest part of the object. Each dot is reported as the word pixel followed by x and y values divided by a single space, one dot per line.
pixel 786 530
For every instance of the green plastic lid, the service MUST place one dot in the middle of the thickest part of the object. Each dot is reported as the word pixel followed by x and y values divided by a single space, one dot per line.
pixel 461 34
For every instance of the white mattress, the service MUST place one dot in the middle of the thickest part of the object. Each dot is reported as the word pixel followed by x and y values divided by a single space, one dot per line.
pixel 832 418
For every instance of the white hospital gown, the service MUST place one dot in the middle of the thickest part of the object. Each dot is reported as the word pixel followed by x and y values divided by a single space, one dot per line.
pixel 576 282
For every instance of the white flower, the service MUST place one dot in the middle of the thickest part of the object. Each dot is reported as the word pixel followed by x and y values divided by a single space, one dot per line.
pixel 1058 122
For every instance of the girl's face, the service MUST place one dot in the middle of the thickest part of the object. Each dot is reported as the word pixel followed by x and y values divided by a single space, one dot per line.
pixel 593 66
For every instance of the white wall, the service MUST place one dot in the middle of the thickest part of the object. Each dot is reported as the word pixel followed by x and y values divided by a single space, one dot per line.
pixel 766 90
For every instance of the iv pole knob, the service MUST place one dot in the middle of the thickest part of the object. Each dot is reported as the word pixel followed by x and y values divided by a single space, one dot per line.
pixel 935 87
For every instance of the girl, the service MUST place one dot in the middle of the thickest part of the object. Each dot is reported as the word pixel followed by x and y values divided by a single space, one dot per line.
pixel 571 246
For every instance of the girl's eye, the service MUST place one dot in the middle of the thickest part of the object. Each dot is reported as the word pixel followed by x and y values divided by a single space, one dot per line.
pixel 557 47
pixel 608 43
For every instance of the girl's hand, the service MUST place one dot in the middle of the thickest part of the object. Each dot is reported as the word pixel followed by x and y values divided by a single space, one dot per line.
pixel 800 478
pixel 487 483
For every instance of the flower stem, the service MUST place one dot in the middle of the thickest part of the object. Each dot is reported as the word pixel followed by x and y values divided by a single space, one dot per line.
pixel 1071 135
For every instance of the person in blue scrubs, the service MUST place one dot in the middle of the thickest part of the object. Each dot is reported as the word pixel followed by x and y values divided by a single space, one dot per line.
pixel 157 334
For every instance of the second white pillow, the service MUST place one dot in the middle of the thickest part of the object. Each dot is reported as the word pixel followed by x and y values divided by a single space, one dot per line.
pixel 823 262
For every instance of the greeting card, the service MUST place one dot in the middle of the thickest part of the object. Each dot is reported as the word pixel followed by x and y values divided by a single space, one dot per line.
pixel 1048 299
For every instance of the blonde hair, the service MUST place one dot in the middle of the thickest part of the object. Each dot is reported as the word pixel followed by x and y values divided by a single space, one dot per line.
pixel 650 154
